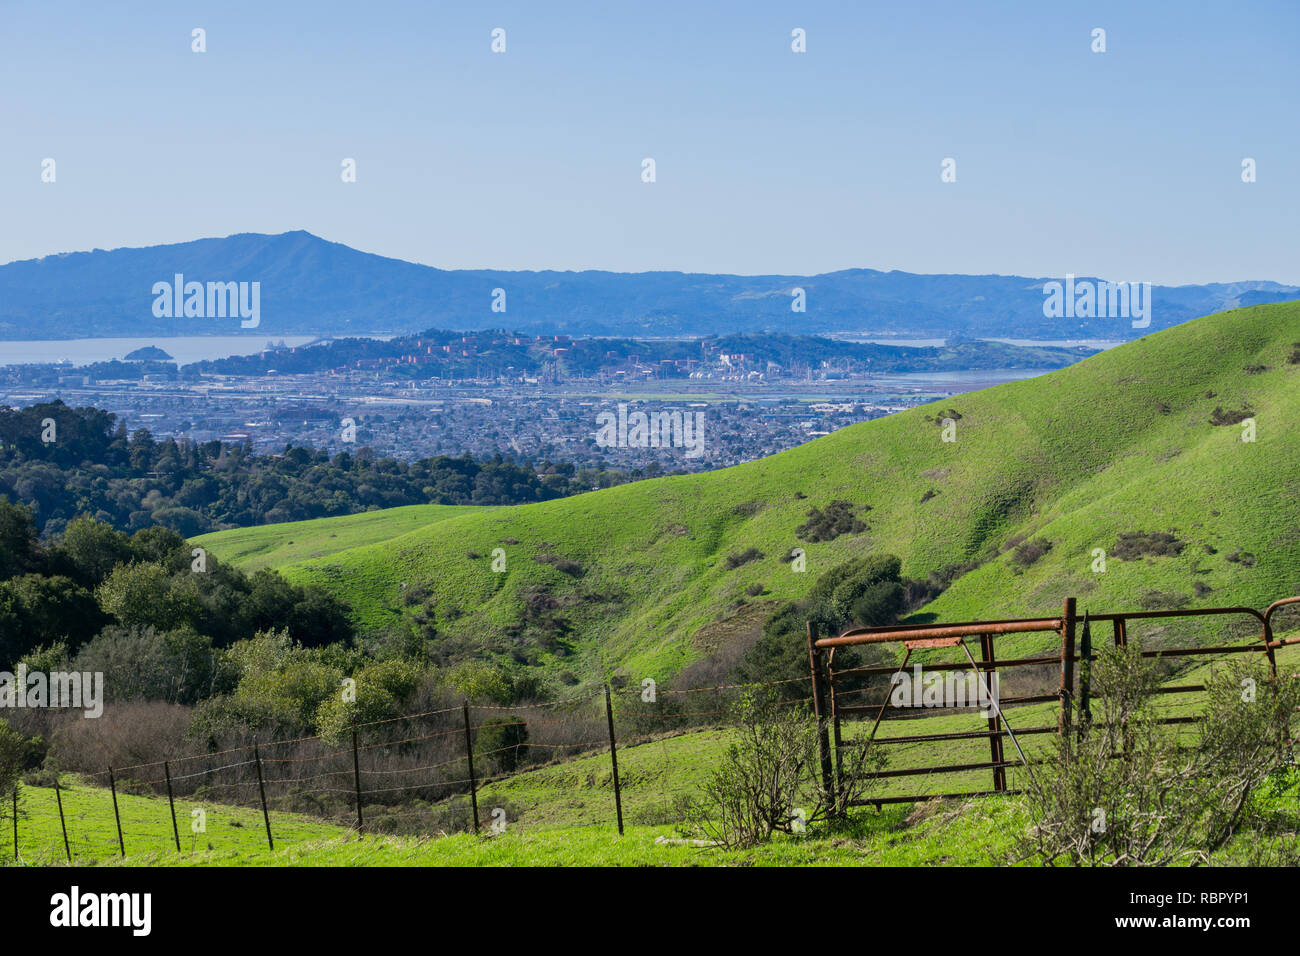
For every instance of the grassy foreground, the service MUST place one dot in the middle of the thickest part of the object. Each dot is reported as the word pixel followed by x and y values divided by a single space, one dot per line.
pixel 950 833
pixel 563 814
pixel 235 837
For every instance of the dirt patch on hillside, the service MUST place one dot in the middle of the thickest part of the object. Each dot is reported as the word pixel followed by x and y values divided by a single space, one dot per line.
pixel 723 642
pixel 745 625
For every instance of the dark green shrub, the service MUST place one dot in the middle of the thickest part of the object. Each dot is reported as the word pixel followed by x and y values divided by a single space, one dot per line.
pixel 1136 544
pixel 838 518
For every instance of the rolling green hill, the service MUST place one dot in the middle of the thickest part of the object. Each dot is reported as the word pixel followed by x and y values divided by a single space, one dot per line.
pixel 275 545
pixel 1121 442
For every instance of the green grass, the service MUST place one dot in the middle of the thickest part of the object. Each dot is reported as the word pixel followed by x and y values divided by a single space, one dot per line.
pixel 949 833
pixel 235 837
pixel 1119 442
pixel 565 814
pixel 275 545
pixel 237 832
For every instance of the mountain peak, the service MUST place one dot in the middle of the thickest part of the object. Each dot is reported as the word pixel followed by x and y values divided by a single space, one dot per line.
pixel 312 285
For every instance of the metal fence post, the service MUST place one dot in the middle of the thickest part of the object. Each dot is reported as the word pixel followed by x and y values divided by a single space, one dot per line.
pixel 356 780
pixel 112 785
pixel 171 802
pixel 819 709
pixel 613 759
pixel 837 735
pixel 995 731
pixel 469 756
pixel 261 789
pixel 1068 621
pixel 1085 677
pixel 62 823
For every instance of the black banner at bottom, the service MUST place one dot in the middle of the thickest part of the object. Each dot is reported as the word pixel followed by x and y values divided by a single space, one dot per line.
pixel 301 905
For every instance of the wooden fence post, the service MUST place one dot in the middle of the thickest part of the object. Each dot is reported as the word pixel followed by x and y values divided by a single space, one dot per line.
pixel 613 759
pixel 469 756
pixel 112 785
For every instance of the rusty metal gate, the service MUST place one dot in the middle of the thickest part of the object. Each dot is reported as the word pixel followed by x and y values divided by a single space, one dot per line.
pixel 832 704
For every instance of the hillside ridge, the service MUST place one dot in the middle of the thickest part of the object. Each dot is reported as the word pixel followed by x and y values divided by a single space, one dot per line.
pixel 1119 444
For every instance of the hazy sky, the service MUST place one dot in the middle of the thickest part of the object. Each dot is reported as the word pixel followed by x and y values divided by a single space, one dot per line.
pixel 1125 164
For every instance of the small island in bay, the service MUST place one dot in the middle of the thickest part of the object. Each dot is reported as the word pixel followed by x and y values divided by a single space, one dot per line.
pixel 150 353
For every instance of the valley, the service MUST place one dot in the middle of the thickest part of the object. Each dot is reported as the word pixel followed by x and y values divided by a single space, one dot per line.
pixel 1120 443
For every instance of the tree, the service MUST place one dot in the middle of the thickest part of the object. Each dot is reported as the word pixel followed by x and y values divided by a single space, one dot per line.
pixel 18 551
pixel 141 595
pixel 503 740
pixel 36 610
pixel 89 550
pixel 864 592
pixel 13 749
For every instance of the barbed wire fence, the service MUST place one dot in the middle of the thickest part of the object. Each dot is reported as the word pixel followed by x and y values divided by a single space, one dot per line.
pixel 420 774
pixel 466 768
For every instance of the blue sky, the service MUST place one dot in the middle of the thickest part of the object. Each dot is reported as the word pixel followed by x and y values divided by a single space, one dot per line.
pixel 1125 164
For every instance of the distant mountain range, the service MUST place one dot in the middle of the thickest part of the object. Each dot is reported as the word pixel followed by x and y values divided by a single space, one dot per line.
pixel 307 285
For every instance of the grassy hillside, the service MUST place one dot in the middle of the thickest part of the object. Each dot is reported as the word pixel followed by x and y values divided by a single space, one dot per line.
pixel 235 837
pixel 1121 442
pixel 275 545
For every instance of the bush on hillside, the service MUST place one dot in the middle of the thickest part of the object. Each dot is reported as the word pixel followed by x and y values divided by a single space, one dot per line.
pixel 1029 552
pixel 1126 792
pixel 769 779
pixel 178 666
pixel 1232 416
pixel 564 565
pixel 380 693
pixel 1156 600
pixel 738 558
pixel 917 592
pixel 503 741
pixel 1136 544
pixel 944 415
pixel 279 687
pixel 839 518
